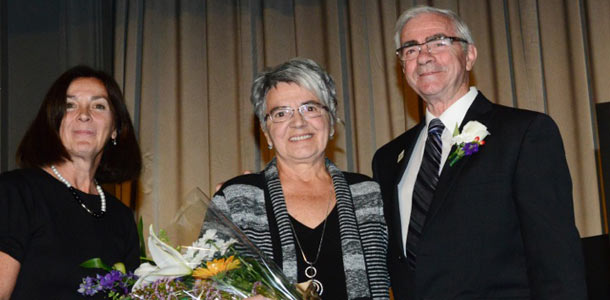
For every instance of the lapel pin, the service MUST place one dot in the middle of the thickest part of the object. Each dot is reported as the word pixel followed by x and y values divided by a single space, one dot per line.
pixel 400 156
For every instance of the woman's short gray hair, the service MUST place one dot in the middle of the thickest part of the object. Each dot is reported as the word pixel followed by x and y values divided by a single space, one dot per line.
pixel 461 29
pixel 302 71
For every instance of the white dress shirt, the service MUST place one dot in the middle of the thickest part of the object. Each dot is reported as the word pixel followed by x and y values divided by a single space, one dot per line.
pixel 451 118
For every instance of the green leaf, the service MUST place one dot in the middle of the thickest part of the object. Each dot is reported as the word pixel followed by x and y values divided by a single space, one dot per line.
pixel 141 237
pixel 456 131
pixel 96 263
pixel 120 267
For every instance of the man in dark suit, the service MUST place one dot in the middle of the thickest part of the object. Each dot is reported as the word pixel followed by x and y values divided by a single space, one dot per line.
pixel 496 223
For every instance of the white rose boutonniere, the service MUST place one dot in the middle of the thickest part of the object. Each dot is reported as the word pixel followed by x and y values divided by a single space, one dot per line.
pixel 468 141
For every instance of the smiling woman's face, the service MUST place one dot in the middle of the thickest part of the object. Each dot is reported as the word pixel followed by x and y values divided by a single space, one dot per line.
pixel 87 124
pixel 298 139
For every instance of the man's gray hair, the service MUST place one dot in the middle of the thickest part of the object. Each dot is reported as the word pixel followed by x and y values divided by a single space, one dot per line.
pixel 461 29
pixel 302 71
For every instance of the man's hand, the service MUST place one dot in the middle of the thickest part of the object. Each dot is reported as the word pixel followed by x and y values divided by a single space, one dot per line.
pixel 219 185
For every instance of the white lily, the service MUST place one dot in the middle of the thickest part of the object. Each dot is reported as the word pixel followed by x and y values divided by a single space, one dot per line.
pixel 169 263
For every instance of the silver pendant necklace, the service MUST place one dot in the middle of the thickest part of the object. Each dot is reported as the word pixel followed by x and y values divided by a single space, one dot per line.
pixel 77 197
pixel 310 270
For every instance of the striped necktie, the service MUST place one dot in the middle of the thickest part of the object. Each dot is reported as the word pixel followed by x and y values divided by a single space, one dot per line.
pixel 423 190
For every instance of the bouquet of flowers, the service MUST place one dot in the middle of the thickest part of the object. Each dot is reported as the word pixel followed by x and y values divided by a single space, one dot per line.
pixel 222 264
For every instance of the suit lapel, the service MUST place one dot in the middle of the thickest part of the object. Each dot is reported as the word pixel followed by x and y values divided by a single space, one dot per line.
pixel 478 111
pixel 406 151
pixel 400 162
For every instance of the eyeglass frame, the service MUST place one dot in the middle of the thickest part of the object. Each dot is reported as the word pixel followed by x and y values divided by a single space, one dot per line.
pixel 301 108
pixel 434 38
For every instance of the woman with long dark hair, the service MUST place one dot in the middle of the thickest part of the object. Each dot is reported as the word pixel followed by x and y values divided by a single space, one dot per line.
pixel 54 215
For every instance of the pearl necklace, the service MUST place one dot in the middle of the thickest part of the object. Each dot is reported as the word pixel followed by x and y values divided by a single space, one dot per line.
pixel 77 197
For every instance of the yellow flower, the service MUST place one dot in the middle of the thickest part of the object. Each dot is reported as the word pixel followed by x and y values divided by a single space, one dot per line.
pixel 216 267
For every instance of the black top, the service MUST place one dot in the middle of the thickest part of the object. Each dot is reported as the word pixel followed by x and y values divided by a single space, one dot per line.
pixel 330 263
pixel 50 234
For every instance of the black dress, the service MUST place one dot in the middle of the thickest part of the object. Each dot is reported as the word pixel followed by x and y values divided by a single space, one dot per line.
pixel 50 234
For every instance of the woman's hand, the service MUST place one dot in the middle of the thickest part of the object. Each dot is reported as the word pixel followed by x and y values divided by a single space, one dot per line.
pixel 9 269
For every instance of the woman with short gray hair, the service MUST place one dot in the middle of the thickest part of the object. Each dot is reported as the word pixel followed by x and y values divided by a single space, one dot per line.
pixel 302 71
pixel 315 221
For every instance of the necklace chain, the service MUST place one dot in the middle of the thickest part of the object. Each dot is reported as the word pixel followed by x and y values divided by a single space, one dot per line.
pixel 311 271
pixel 77 197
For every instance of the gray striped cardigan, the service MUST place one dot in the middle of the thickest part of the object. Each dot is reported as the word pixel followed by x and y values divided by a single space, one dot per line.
pixel 361 225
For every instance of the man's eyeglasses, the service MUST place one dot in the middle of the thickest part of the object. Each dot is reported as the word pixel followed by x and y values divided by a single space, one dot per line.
pixel 435 45
pixel 284 113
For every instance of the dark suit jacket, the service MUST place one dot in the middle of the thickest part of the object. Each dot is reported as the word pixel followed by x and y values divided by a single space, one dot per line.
pixel 501 224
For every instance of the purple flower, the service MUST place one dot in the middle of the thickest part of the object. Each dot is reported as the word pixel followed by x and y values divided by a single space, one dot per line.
pixel 89 287
pixel 470 148
pixel 123 285
pixel 255 286
pixel 107 281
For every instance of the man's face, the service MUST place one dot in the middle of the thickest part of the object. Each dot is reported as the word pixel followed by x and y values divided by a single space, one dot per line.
pixel 437 77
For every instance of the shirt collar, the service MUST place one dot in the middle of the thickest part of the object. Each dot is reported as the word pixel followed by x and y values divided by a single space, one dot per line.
pixel 453 116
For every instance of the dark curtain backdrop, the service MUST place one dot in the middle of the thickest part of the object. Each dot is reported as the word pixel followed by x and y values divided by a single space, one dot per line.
pixel 187 66
pixel 3 89
pixel 40 39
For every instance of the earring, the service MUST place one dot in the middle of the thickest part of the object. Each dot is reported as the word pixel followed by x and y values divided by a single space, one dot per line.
pixel 330 137
pixel 114 142
pixel 270 146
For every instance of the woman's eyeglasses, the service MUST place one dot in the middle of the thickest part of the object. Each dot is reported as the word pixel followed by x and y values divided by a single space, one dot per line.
pixel 284 113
